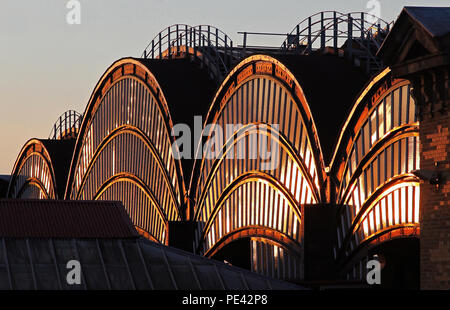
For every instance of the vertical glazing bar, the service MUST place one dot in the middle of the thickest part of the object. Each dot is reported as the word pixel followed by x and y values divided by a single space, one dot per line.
pixel 141 257
pixel 7 264
pixel 30 257
pixel 55 262
pixel 120 242
pixel 105 272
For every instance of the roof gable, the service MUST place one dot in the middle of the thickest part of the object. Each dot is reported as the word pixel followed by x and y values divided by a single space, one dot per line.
pixel 417 33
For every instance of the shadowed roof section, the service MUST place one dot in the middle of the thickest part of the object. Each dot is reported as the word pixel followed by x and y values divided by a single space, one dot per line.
pixel 331 85
pixel 189 91
pixel 34 218
pixel 39 237
pixel 120 264
pixel 436 20
pixel 60 152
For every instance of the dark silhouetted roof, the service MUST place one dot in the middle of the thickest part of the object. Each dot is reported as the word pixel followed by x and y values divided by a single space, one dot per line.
pixel 331 85
pixel 4 181
pixel 60 152
pixel 418 32
pixel 435 20
pixel 23 218
pixel 189 91
pixel 119 264
pixel 39 237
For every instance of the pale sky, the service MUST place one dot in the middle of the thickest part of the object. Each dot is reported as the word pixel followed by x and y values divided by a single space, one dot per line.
pixel 48 66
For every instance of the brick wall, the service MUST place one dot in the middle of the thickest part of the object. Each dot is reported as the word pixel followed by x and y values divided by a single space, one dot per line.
pixel 435 202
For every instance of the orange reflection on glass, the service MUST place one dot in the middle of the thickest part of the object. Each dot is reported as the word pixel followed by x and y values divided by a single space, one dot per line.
pixel 416 204
pixel 396 208
pixel 403 204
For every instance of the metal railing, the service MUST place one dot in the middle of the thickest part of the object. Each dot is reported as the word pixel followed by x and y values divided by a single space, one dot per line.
pixel 67 125
pixel 359 34
pixel 212 47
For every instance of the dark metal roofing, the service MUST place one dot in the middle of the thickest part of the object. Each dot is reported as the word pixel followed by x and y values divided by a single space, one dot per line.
pixel 20 218
pixel 39 237
pixel 4 181
pixel 331 85
pixel 436 20
pixel 188 89
pixel 119 264
pixel 60 152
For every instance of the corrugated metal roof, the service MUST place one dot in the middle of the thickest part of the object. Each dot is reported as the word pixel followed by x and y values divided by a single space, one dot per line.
pixel 125 264
pixel 20 218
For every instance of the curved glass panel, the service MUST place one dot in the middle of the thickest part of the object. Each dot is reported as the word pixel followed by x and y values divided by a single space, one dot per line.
pixel 34 172
pixel 127 102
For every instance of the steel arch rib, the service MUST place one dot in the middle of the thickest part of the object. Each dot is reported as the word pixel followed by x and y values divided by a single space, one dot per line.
pixel 137 132
pixel 21 159
pixel 358 103
pixel 128 177
pixel 403 231
pixel 378 194
pixel 229 86
pixel 274 235
pixel 35 182
pixel 229 145
pixel 391 137
pixel 245 178
pixel 104 83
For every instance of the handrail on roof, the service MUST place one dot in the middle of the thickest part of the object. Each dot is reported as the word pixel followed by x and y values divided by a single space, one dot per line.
pixel 207 43
pixel 358 34
pixel 67 125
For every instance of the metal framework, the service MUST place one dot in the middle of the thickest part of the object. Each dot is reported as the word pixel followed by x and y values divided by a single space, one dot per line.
pixel 231 194
pixel 212 47
pixel 67 125
pixel 372 172
pixel 124 150
pixel 359 34
pixel 33 175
